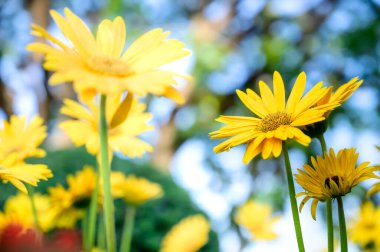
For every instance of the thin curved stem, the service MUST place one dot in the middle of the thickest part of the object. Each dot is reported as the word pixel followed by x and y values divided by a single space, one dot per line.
pixel 33 206
pixel 329 216
pixel 126 237
pixel 91 225
pixel 108 208
pixel 293 200
pixel 342 226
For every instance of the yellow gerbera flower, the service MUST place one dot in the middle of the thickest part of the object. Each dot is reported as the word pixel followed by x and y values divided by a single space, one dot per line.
pixel 189 235
pixel 338 97
pixel 332 176
pixel 18 173
pixel 18 210
pixel 100 64
pixel 256 217
pixel 365 230
pixel 136 191
pixel 276 121
pixel 20 140
pixel 123 128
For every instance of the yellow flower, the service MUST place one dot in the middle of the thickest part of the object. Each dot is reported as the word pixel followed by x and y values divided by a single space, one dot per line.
pixel 20 140
pixel 276 122
pixel 332 176
pixel 189 235
pixel 123 129
pixel 18 209
pixel 341 94
pixel 338 97
pixel 101 65
pixel 256 217
pixel 18 173
pixel 365 230
pixel 134 190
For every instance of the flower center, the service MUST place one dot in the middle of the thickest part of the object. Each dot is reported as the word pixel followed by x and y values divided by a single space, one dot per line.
pixel 107 65
pixel 335 179
pixel 274 120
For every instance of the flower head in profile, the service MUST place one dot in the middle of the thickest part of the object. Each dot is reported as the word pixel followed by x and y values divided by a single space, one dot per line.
pixel 126 120
pixel 20 139
pixel 275 121
pixel 257 219
pixel 365 229
pixel 331 176
pixel 338 97
pixel 18 210
pixel 189 235
pixel 101 64
pixel 134 190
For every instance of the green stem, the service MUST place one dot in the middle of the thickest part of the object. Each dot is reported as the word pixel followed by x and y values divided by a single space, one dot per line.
pixel 108 208
pixel 293 201
pixel 321 139
pixel 126 237
pixel 84 230
pixel 342 226
pixel 101 241
pixel 329 216
pixel 330 227
pixel 91 226
pixel 33 204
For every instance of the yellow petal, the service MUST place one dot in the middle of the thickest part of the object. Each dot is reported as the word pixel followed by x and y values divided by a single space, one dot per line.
pixel 296 93
pixel 279 91
pixel 122 111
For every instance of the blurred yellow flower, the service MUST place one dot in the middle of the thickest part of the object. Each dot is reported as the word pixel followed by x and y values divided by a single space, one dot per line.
pixel 123 129
pixel 189 235
pixel 101 65
pixel 257 219
pixel 332 176
pixel 276 122
pixel 365 229
pixel 20 140
pixel 134 190
pixel 18 210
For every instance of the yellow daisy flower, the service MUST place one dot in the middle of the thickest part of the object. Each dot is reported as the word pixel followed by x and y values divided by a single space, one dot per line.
pixel 136 191
pixel 17 209
pixel 365 230
pixel 338 97
pixel 256 218
pixel 99 64
pixel 20 140
pixel 332 176
pixel 276 122
pixel 18 173
pixel 189 235
pixel 123 129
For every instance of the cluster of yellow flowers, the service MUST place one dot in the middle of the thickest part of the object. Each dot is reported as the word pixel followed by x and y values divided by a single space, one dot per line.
pixel 301 118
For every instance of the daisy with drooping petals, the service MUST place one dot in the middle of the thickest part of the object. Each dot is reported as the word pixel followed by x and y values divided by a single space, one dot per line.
pixel 256 218
pixel 190 235
pixel 126 120
pixel 100 64
pixel 332 176
pixel 276 121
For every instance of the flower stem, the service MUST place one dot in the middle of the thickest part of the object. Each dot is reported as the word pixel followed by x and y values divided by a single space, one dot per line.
pixel 330 227
pixel 91 225
pixel 329 216
pixel 126 237
pixel 101 243
pixel 33 204
pixel 342 226
pixel 293 201
pixel 108 208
